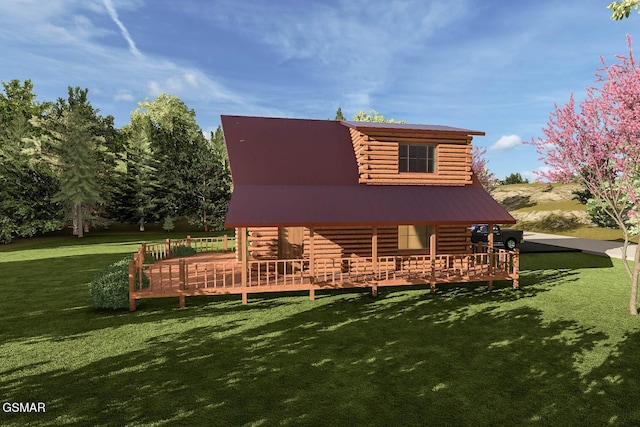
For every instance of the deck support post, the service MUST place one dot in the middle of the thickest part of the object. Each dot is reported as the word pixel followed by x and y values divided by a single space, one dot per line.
pixel 312 257
pixel 490 285
pixel 374 291
pixel 244 297
pixel 312 294
pixel 182 301
pixel 374 251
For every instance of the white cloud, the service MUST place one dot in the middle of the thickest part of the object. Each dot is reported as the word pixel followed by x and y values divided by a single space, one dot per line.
pixel 347 41
pixel 125 33
pixel 506 143
pixel 123 95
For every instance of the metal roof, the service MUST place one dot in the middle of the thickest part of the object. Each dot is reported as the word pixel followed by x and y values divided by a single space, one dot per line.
pixel 294 172
pixel 365 205
pixel 289 151
pixel 409 127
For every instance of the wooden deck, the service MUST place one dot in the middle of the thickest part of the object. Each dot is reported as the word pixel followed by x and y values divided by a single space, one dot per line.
pixel 220 273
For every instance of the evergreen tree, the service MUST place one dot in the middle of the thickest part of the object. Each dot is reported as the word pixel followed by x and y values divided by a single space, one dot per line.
pixel 134 184
pixel 70 144
pixel 339 115
pixel 26 186
pixel 191 173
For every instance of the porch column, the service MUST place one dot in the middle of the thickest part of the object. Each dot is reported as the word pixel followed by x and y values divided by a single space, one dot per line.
pixel 374 258
pixel 433 251
pixel 374 249
pixel 312 262
pixel 244 258
pixel 433 242
pixel 238 244
pixel 490 256
pixel 490 235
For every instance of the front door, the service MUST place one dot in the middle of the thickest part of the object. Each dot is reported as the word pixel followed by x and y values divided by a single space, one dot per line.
pixel 290 246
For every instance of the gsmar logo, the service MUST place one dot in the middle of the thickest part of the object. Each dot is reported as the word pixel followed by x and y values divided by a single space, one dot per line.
pixel 24 407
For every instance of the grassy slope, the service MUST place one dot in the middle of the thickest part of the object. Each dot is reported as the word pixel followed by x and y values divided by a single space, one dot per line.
pixel 535 190
pixel 562 351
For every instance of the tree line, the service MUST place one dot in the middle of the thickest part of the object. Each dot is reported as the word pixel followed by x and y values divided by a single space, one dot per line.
pixel 63 163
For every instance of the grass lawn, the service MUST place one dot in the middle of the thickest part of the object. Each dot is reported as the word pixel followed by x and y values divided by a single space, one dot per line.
pixel 562 351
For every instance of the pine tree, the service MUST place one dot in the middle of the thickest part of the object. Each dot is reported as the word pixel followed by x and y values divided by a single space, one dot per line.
pixel 69 143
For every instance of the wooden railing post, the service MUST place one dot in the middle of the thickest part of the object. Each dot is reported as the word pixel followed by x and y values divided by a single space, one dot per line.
pixel 188 241
pixel 167 248
pixel 181 273
pixel 224 243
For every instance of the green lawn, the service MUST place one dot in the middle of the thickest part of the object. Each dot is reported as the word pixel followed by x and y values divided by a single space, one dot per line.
pixel 562 351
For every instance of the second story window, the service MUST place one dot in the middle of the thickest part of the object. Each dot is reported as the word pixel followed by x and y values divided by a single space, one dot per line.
pixel 417 158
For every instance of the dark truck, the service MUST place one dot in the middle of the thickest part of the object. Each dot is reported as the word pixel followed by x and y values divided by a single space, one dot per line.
pixel 509 238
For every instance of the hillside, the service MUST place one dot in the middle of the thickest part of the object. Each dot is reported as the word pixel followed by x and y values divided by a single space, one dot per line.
pixel 543 207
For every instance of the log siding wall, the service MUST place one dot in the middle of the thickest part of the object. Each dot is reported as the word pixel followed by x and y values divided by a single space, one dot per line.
pixel 356 241
pixel 377 157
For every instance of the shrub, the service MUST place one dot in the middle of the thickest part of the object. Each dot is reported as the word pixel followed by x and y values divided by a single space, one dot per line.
pixel 599 216
pixel 184 251
pixel 110 287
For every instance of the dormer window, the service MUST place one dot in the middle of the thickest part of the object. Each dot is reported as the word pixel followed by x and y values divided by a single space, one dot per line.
pixel 417 158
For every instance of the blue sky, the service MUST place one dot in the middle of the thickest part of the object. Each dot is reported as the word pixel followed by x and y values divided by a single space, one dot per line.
pixel 496 66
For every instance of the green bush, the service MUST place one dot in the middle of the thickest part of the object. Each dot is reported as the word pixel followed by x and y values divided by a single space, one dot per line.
pixel 110 287
pixel 184 251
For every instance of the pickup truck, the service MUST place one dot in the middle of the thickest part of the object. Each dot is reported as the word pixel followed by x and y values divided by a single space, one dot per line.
pixel 508 238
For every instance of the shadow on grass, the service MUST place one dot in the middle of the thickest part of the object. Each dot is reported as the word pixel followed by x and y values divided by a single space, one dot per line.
pixel 49 297
pixel 405 359
pixel 464 356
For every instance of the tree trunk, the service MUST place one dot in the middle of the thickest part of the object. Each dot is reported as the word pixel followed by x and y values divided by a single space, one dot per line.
pixel 141 223
pixel 80 223
pixel 74 214
pixel 204 220
pixel 633 298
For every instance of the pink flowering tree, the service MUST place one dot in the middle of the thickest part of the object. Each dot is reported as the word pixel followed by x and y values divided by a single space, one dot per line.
pixel 480 170
pixel 598 145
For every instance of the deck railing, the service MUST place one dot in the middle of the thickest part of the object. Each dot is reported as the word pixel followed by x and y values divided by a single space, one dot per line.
pixel 186 276
pixel 167 249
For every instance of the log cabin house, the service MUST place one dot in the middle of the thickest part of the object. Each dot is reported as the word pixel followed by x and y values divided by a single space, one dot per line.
pixel 359 204
pixel 321 204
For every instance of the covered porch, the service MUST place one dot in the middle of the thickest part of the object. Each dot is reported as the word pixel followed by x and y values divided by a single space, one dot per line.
pixel 217 271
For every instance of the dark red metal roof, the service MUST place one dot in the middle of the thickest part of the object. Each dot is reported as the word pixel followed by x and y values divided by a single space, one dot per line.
pixel 289 151
pixel 366 205
pixel 409 127
pixel 294 172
